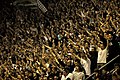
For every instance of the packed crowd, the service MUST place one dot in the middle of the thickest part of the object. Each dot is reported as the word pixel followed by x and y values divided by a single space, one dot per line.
pixel 62 44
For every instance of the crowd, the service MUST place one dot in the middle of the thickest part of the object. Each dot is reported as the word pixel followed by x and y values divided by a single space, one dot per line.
pixel 65 43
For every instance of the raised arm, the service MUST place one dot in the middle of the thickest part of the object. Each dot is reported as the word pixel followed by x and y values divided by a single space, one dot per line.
pixel 107 44
pixel 113 23
pixel 52 54
pixel 76 56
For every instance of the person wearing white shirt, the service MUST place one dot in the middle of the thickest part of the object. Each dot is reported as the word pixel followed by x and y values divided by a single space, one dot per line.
pixel 66 75
pixel 86 63
pixel 78 74
pixel 102 55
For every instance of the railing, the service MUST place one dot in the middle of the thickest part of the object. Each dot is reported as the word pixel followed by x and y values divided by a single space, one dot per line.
pixel 103 66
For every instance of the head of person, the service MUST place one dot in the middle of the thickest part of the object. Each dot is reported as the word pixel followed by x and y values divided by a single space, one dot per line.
pixel 102 46
pixel 82 55
pixel 78 68
pixel 117 66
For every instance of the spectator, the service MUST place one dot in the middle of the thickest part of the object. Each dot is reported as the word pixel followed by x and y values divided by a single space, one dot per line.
pixel 34 45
